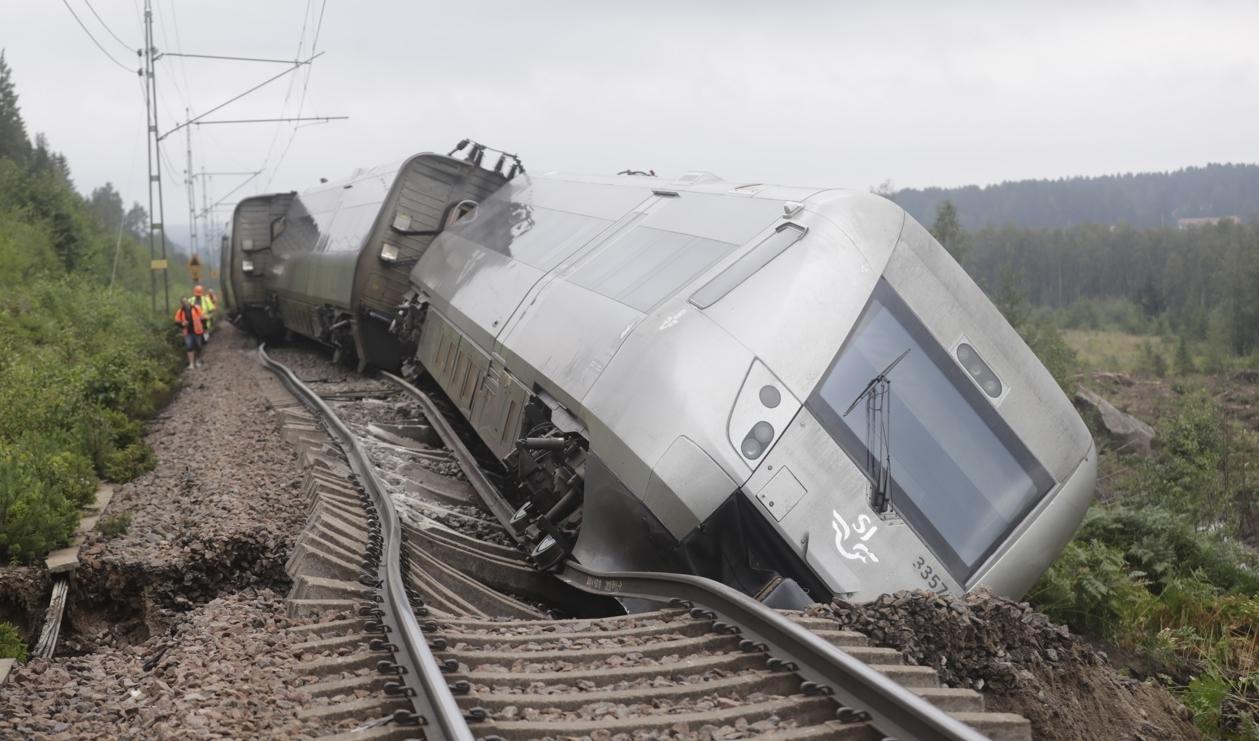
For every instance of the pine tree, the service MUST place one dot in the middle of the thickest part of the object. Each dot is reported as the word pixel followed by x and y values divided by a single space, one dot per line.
pixel 948 230
pixel 13 141
pixel 1184 360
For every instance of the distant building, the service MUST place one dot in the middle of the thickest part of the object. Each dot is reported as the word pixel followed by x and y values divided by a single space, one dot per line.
pixel 1197 221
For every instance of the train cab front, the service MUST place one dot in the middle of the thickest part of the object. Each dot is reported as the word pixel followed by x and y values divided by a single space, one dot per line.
pixel 900 434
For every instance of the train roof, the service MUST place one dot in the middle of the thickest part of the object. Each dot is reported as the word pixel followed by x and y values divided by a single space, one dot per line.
pixel 697 182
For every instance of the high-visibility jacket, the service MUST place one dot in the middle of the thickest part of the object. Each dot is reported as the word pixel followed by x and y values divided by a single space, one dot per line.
pixel 195 326
pixel 206 305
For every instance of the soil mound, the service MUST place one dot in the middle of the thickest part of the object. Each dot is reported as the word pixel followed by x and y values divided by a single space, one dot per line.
pixel 1021 661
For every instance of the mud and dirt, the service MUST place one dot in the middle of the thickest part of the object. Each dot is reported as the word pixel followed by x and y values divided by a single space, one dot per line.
pixel 1021 661
pixel 223 671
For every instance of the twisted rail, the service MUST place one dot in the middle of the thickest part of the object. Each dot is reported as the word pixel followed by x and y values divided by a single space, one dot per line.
pixel 862 691
pixel 418 674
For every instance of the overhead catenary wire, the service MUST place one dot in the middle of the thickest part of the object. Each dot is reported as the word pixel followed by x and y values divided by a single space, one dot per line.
pixel 183 68
pixel 301 101
pixel 268 81
pixel 288 95
pixel 227 58
pixel 93 38
pixel 108 30
pixel 185 97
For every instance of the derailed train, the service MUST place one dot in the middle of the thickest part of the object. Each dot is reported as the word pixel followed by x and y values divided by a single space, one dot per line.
pixel 791 390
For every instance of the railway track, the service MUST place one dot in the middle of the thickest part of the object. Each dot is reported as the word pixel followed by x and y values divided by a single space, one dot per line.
pixel 443 630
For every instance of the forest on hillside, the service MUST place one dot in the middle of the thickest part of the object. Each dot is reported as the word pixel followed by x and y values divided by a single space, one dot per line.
pixel 1145 200
pixel 1201 283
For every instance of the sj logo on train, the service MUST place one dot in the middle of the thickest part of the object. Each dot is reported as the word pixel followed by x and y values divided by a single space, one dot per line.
pixel 862 530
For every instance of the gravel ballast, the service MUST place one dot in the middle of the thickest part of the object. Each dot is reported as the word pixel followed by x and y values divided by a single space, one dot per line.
pixel 223 671
pixel 177 625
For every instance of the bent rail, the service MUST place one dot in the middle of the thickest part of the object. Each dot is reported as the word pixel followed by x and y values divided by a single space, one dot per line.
pixel 417 670
pixel 893 709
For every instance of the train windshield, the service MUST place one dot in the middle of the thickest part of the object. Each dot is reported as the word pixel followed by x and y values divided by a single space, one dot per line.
pixel 958 475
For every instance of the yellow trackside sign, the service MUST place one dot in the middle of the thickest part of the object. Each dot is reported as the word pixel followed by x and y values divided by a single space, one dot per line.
pixel 157 264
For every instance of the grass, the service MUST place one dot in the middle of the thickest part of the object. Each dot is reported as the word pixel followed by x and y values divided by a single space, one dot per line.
pixel 1111 350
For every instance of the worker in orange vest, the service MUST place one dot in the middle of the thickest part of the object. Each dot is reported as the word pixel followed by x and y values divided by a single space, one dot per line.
pixel 189 319
pixel 206 305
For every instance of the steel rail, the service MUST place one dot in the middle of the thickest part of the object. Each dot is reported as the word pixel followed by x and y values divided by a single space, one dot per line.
pixel 434 704
pixel 480 484
pixel 893 709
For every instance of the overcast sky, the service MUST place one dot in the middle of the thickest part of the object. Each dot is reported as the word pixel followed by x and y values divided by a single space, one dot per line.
pixel 818 93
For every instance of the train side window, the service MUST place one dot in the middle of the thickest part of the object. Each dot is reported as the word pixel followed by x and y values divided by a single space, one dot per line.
pixel 277 228
pixel 462 210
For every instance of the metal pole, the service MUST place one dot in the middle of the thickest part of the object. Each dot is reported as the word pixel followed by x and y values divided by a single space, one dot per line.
pixel 157 210
pixel 148 145
pixel 207 219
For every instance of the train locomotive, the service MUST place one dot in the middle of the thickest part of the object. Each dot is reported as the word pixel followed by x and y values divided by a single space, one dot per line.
pixel 795 391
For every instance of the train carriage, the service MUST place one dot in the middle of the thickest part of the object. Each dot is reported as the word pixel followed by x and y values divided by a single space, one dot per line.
pixel 344 250
pixel 797 392
pixel 794 391
pixel 246 262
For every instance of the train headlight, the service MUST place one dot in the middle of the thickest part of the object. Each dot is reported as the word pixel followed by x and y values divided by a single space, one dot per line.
pixel 389 252
pixel 760 436
pixel 979 370
pixel 761 412
pixel 247 265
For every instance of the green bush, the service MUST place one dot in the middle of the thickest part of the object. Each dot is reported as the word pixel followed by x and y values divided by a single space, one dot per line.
pixel 1163 546
pixel 1195 615
pixel 1044 339
pixel 34 519
pixel 1187 475
pixel 11 644
pixel 1225 705
pixel 78 366
pixel 1092 590
pixel 129 462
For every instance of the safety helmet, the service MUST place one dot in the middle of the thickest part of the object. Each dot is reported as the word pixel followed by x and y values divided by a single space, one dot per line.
pixel 198 291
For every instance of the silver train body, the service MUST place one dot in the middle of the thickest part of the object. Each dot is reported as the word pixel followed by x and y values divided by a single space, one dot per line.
pixel 310 263
pixel 693 376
